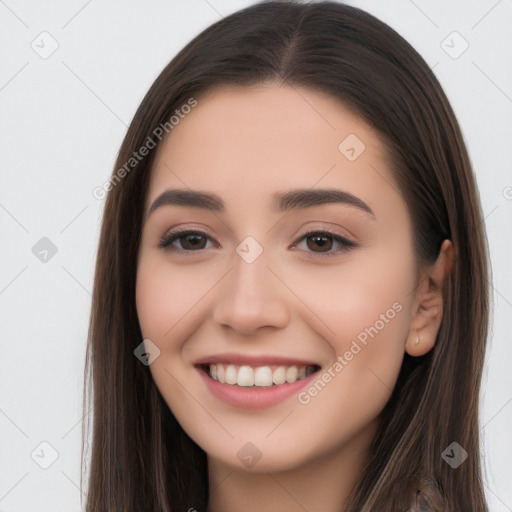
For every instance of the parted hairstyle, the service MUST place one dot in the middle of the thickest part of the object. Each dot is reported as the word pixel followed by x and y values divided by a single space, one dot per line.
pixel 141 459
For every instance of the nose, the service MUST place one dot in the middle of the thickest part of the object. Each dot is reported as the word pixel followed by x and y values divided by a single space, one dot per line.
pixel 251 297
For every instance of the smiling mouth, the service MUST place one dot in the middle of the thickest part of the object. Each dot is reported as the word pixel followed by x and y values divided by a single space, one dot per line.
pixel 257 376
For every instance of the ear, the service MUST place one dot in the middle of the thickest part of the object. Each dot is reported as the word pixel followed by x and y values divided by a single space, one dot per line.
pixel 429 303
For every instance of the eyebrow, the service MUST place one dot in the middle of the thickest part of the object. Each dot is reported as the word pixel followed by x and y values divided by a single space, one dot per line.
pixel 283 201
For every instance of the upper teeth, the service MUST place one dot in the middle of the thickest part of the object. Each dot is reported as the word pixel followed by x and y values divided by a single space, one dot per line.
pixel 262 376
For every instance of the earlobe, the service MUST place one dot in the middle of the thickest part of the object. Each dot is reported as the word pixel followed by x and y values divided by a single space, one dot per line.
pixel 423 332
pixel 429 313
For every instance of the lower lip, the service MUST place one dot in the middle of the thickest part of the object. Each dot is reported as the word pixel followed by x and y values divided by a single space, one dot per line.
pixel 253 397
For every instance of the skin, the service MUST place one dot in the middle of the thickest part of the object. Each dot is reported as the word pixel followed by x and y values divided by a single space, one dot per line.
pixel 245 144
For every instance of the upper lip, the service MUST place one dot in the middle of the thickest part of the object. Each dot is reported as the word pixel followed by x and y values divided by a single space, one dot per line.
pixel 253 360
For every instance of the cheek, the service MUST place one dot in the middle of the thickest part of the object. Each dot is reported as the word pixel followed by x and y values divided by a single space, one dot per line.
pixel 154 301
pixel 367 296
pixel 366 304
pixel 165 294
pixel 168 300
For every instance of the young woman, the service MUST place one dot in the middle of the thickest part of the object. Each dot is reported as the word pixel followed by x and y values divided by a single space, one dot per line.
pixel 291 294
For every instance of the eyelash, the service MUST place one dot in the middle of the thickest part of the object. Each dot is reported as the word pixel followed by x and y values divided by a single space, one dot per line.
pixel 169 238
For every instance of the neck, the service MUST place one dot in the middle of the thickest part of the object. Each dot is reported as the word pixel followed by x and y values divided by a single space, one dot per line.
pixel 326 480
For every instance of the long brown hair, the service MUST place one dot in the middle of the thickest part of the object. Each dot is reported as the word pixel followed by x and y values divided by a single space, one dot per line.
pixel 141 459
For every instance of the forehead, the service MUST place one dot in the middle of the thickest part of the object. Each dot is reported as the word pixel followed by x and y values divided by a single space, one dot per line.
pixel 247 140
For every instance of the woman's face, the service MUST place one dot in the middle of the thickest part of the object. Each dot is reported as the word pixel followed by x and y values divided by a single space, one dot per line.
pixel 273 277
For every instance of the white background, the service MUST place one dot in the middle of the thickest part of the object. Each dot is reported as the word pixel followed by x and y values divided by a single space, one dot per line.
pixel 62 121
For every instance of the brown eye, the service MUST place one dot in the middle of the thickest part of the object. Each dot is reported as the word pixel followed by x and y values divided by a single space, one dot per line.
pixel 320 241
pixel 323 243
pixel 189 240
